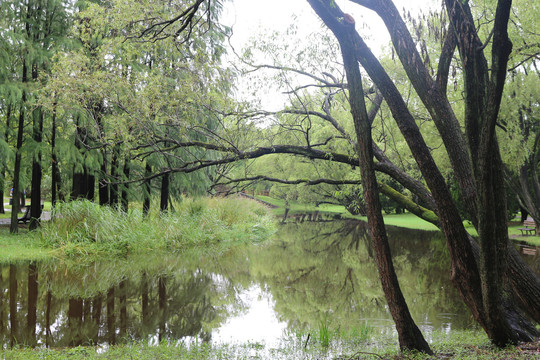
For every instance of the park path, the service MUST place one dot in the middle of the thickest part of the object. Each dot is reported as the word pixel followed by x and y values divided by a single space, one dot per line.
pixel 45 216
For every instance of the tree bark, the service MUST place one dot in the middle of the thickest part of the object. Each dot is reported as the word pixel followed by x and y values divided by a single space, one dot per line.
pixel 14 227
pixel 4 163
pixel 56 180
pixel 103 184
pixel 113 198
pixel 409 334
pixel 37 131
pixel 465 272
pixel 125 186
pixel 78 169
pixel 164 199
pixel 147 189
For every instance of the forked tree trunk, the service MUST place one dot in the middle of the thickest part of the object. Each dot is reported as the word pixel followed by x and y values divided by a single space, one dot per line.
pixel 465 272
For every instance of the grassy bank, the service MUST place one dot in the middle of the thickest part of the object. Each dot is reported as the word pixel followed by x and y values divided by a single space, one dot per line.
pixel 405 220
pixel 22 247
pixel 458 345
pixel 82 228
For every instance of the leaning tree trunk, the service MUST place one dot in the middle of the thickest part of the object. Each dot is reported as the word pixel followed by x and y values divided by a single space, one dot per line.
pixel 409 334
pixel 484 86
pixel 464 272
pixel 524 281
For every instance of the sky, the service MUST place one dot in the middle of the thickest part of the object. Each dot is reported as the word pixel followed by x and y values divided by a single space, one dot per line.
pixel 249 17
pixel 255 18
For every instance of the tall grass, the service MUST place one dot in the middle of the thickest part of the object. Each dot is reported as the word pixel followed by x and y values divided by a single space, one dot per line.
pixel 324 332
pixel 85 228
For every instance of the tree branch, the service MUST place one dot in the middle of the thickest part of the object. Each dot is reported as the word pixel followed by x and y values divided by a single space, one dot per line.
pixel 445 60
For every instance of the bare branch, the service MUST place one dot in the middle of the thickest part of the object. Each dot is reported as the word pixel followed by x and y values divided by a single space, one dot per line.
pixel 293 182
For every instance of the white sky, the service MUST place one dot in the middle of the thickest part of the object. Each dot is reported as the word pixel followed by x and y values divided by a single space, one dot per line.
pixel 250 18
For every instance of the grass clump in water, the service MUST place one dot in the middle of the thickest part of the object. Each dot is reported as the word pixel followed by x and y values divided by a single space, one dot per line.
pixel 85 228
pixel 456 345
pixel 324 333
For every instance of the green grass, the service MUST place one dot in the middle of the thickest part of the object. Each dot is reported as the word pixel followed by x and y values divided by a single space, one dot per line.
pixel 405 220
pixel 324 333
pixel 21 247
pixel 457 345
pixel 408 220
pixel 84 229
pixel 515 233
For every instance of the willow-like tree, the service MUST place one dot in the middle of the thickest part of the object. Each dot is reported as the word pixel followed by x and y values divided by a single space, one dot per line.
pixel 475 159
pixel 508 288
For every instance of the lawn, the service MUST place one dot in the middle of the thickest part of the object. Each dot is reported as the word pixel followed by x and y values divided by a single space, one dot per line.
pixel 21 247
pixel 405 220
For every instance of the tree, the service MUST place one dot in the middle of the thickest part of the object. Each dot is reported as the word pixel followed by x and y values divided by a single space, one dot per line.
pixel 131 93
pixel 478 167
pixel 474 157
pixel 34 30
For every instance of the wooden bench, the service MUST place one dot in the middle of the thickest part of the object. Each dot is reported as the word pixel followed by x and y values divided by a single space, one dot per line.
pixel 527 231
pixel 529 227
pixel 26 217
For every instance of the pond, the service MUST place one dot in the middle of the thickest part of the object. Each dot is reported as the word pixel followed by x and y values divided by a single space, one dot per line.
pixel 312 275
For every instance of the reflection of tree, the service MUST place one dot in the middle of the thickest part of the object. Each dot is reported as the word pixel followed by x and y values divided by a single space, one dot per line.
pixel 13 304
pixel 177 300
pixel 318 269
pixel 312 270
pixel 32 303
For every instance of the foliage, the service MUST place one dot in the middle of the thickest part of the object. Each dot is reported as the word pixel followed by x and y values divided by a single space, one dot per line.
pixel 81 228
pixel 458 345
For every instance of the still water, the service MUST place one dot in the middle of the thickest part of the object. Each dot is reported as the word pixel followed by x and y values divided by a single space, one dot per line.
pixel 310 274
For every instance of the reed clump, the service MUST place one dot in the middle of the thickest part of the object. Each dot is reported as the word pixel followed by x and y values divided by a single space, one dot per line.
pixel 82 228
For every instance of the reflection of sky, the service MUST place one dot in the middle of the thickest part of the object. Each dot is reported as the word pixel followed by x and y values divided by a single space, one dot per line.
pixel 257 324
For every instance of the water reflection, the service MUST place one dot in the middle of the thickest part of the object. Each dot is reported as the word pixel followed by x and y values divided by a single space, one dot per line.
pixel 310 272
